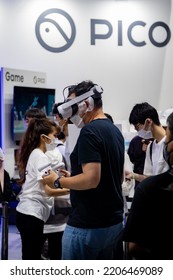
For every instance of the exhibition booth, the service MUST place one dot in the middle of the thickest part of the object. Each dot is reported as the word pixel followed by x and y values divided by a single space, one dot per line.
pixel 123 46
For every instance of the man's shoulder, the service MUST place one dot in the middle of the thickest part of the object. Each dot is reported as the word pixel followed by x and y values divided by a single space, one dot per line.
pixel 154 183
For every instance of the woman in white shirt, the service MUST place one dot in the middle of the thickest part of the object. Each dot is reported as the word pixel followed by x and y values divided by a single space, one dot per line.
pixel 35 201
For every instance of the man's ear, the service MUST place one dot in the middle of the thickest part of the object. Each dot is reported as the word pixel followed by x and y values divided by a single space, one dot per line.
pixel 90 104
pixel 148 123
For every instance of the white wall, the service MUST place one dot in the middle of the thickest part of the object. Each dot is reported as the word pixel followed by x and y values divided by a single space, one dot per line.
pixel 128 74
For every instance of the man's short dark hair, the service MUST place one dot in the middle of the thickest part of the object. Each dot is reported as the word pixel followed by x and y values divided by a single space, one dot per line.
pixel 83 87
pixel 141 112
pixel 35 113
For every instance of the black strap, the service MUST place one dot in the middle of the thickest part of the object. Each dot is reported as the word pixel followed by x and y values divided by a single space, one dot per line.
pixel 60 144
pixel 151 148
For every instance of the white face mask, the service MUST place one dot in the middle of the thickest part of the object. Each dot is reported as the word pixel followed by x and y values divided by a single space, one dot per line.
pixel 52 145
pixel 82 109
pixel 77 120
pixel 145 132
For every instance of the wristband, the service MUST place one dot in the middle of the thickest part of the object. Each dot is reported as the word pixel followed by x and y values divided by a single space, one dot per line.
pixel 57 184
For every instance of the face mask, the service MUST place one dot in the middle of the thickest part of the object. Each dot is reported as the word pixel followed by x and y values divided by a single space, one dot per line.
pixel 82 108
pixel 52 145
pixel 145 134
pixel 77 120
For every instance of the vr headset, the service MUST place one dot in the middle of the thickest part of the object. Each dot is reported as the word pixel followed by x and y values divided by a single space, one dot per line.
pixel 70 107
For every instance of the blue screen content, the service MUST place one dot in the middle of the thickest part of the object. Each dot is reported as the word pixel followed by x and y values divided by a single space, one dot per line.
pixel 25 98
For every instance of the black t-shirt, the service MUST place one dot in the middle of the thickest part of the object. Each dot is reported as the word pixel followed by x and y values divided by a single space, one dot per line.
pixel 136 154
pixel 99 141
pixel 149 223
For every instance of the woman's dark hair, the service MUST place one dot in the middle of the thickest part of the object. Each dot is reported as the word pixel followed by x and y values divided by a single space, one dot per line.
pixel 31 141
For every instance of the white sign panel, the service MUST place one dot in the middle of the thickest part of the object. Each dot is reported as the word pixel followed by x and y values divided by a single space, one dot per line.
pixel 10 78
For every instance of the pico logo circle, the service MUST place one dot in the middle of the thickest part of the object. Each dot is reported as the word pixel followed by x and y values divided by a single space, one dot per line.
pixel 55 30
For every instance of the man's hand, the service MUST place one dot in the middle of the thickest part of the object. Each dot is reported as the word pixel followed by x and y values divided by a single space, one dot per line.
pixel 50 178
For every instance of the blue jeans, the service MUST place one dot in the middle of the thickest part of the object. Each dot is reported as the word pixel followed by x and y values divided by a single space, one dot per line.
pixel 92 244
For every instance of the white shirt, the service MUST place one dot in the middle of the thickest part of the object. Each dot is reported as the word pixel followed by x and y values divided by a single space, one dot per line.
pixel 57 222
pixel 54 156
pixel 33 200
pixel 155 164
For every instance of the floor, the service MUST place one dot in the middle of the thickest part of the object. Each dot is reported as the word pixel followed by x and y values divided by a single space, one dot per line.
pixel 14 243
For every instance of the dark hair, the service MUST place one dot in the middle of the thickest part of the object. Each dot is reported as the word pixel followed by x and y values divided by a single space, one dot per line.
pixel 141 112
pixel 109 117
pixel 170 123
pixel 55 110
pixel 31 141
pixel 83 87
pixel 61 136
pixel 80 88
pixel 35 113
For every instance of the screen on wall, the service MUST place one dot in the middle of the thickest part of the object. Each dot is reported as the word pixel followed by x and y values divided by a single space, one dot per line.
pixel 25 98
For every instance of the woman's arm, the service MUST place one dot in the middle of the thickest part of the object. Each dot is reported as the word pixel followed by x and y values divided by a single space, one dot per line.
pixel 55 192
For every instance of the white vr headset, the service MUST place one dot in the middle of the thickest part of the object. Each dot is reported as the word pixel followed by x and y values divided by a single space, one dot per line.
pixel 70 108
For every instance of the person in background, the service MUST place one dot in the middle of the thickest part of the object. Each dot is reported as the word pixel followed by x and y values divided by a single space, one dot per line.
pixel 138 145
pixel 5 190
pixel 36 198
pixel 154 161
pixel 163 115
pixel 148 231
pixel 63 136
pixel 56 223
pixel 28 116
pixel 127 185
pixel 33 113
pixel 94 228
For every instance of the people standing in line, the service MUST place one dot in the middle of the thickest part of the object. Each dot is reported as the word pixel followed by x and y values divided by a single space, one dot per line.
pixel 148 231
pixel 154 161
pixel 94 228
pixel 36 198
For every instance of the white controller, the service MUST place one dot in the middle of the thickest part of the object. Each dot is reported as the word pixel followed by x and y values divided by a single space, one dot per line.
pixel 51 166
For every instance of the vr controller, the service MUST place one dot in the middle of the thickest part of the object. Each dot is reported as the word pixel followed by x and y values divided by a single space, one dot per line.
pixel 51 166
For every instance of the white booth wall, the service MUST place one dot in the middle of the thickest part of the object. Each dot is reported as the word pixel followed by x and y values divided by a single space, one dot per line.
pixel 129 74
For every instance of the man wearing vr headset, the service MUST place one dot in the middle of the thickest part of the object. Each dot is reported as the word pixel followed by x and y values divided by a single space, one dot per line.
pixel 94 228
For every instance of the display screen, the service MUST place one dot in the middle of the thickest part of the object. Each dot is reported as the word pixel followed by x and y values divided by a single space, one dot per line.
pixel 25 98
